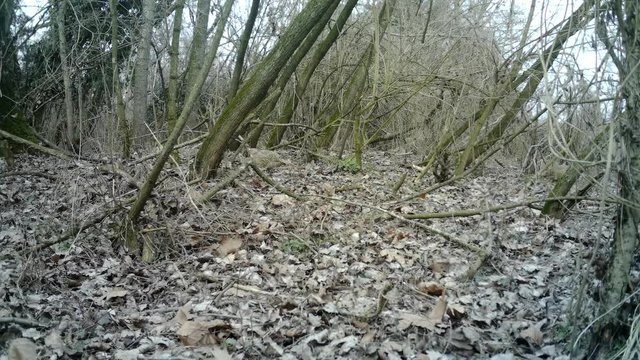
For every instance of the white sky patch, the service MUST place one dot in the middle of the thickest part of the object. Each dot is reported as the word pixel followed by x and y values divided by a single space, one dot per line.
pixel 548 13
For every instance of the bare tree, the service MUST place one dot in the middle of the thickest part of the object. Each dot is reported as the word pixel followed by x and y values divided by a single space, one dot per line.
pixel 141 75
pixel 193 95
pixel 255 88
pixel 198 43
pixel 241 51
pixel 121 119
pixel 60 9
pixel 625 242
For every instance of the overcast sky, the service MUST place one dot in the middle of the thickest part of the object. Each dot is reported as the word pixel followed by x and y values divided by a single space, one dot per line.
pixel 547 13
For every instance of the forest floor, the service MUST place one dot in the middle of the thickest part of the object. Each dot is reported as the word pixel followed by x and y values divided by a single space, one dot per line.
pixel 255 274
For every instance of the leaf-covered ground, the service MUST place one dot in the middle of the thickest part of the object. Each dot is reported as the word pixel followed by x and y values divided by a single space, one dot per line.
pixel 255 274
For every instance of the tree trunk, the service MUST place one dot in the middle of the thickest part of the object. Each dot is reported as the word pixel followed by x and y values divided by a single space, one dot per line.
pixel 141 75
pixel 321 50
pixel 242 49
pixel 60 8
pixel 121 119
pixel 625 240
pixel 267 106
pixel 196 55
pixel 172 92
pixel 256 87
pixel 193 95
pixel 356 86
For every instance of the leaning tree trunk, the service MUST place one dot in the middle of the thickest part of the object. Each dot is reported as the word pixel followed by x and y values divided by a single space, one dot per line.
pixel 242 49
pixel 198 44
pixel 72 141
pixel 141 75
pixel 556 208
pixel 357 83
pixel 625 240
pixel 268 105
pixel 321 50
pixel 193 95
pixel 256 87
pixel 575 23
pixel 121 119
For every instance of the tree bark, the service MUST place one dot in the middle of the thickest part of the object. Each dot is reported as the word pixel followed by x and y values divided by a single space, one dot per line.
pixel 60 8
pixel 254 90
pixel 194 94
pixel 357 84
pixel 141 75
pixel 172 91
pixel 625 241
pixel 242 49
pixel 198 43
pixel 121 119
pixel 321 50
pixel 267 106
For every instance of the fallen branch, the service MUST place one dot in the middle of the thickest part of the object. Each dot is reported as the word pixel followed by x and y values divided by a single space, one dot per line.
pixel 179 146
pixel 473 212
pixel 273 183
pixel 221 185
pixel 446 236
pixel 77 229
pixel 113 169
pixel 22 322
pixel 28 173
pixel 35 146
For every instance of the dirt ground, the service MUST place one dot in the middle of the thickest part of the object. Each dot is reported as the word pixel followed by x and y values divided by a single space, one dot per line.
pixel 255 274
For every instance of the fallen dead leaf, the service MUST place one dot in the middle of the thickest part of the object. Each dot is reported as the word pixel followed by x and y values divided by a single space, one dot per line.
pixel 532 335
pixel 220 354
pixel 22 349
pixel 368 338
pixel 431 288
pixel 183 314
pixel 281 200
pixel 440 267
pixel 229 245
pixel 471 334
pixel 115 293
pixel 407 320
pixel 439 310
pixel 200 333
pixel 391 255
pixel 456 311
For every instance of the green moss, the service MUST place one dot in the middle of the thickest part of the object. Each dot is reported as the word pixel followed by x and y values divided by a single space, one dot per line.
pixel 349 164
pixel 16 124
pixel 293 246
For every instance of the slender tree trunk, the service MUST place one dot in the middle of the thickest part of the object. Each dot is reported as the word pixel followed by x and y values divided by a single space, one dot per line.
pixel 193 95
pixel 121 119
pixel 172 93
pixel 267 106
pixel 60 7
pixel 198 44
pixel 575 23
pixel 357 83
pixel 242 50
pixel 321 50
pixel 141 75
pixel 254 90
pixel 564 184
